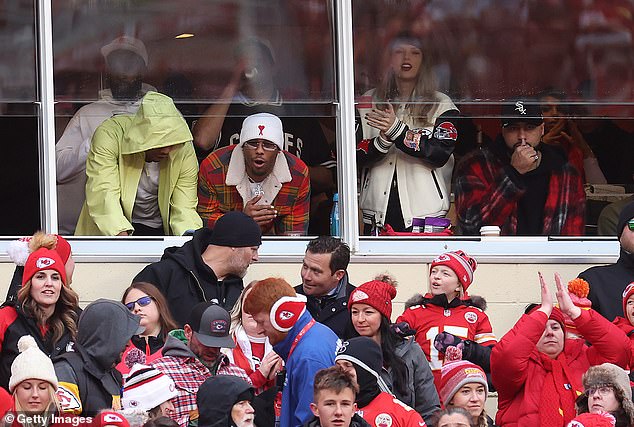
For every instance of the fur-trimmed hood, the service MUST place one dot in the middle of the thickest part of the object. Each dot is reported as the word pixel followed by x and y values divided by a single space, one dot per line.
pixel 608 374
pixel 441 300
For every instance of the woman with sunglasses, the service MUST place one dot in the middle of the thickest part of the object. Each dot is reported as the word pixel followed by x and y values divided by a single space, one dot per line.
pixel 146 301
pixel 607 389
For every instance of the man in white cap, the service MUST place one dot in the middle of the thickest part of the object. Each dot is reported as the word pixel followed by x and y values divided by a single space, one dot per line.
pixel 126 63
pixel 257 177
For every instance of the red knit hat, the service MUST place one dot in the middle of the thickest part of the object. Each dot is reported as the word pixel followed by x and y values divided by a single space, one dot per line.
pixel 43 259
pixel 627 293
pixel 598 419
pixel 456 374
pixel 376 294
pixel 461 263
pixel 555 315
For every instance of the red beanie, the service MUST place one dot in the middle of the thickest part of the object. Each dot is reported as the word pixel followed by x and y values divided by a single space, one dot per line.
pixel 461 263
pixel 43 259
pixel 456 374
pixel 556 315
pixel 598 419
pixel 109 418
pixel 376 294
pixel 627 293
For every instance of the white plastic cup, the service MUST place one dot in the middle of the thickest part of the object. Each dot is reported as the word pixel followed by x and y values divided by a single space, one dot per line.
pixel 490 230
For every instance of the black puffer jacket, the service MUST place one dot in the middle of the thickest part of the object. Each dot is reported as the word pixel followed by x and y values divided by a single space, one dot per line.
pixel 185 280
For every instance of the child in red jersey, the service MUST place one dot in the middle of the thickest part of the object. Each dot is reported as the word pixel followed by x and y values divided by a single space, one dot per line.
pixel 447 316
pixel 362 358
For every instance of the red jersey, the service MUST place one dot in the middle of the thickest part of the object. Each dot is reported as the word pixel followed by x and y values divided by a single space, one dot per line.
pixel 387 411
pixel 463 321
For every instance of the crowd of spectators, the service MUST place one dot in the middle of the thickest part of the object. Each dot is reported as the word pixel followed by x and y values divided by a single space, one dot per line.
pixel 324 353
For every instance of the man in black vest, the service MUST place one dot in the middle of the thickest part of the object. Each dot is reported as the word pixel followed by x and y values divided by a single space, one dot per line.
pixel 325 283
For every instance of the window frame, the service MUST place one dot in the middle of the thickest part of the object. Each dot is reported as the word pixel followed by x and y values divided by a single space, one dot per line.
pixel 505 249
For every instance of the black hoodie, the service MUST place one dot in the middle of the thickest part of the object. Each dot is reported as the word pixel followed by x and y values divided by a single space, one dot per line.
pixel 215 398
pixel 185 280
pixel 88 380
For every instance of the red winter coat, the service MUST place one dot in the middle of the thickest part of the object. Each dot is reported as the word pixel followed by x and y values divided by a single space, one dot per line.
pixel 518 374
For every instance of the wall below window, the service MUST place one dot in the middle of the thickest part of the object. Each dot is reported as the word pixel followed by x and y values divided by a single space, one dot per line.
pixel 508 288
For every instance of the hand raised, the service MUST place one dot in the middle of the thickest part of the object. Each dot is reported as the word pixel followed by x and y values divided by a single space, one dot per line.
pixel 565 302
pixel 381 119
pixel 546 296
pixel 524 158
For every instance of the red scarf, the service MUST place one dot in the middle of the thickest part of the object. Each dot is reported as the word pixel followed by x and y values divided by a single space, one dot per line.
pixel 557 403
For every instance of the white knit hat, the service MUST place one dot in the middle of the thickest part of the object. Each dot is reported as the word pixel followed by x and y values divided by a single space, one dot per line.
pixel 146 388
pixel 31 363
pixel 262 126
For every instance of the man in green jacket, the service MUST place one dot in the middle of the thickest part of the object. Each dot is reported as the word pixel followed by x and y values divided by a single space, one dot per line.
pixel 142 174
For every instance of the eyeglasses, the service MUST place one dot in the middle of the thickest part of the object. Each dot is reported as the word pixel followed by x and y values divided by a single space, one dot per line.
pixel 255 143
pixel 603 390
pixel 143 301
pixel 630 224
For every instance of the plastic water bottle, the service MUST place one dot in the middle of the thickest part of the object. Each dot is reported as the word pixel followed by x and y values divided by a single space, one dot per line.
pixel 335 229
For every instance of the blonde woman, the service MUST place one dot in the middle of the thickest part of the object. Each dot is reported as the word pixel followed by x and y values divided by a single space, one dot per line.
pixel 33 384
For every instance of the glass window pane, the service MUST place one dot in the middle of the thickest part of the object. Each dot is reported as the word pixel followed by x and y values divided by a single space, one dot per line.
pixel 219 63
pixel 571 60
pixel 19 124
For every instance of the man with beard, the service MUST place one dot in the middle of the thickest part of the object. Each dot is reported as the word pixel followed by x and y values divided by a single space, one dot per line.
pixel 126 63
pixel 88 380
pixel 608 282
pixel 210 267
pixel 192 354
pixel 525 187
pixel 257 177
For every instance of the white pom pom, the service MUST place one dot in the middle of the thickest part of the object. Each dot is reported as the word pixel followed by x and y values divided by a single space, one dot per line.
pixel 18 251
pixel 26 342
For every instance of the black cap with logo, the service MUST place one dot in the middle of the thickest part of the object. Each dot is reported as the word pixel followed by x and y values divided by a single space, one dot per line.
pixel 522 110
pixel 210 323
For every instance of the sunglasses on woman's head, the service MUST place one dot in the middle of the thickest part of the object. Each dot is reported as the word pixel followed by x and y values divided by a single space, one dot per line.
pixel 143 301
pixel 630 224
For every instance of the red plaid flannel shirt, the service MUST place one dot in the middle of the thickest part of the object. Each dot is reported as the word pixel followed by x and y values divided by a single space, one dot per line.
pixel 486 194
pixel 215 198
pixel 188 373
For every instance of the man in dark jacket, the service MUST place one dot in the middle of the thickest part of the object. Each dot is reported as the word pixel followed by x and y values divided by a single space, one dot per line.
pixel 210 267
pixel 225 401
pixel 608 282
pixel 325 284
pixel 88 380
pixel 518 183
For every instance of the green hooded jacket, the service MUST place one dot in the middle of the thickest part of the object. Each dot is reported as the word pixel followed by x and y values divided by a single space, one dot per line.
pixel 115 163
